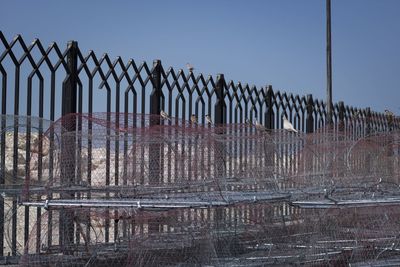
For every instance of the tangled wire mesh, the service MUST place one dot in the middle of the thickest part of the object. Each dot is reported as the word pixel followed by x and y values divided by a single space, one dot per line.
pixel 145 190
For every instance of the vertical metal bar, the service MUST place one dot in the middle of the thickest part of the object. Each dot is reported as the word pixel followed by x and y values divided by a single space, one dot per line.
pixel 155 148
pixel 310 128
pixel 155 109
pixel 27 155
pixel 108 162
pixel 126 124
pixel 220 106
pixel 269 156
pixel 78 178
pixel 116 152
pixel 125 156
pixel 69 92
pixel 310 111
pixel 117 110
pixel 3 154
pixel 269 112
pixel 156 93
pixel 328 62
pixel 367 133
pixel 51 154
pixel 219 118
pixel 69 99
pixel 368 121
pixel 15 160
pixel 338 137
pixel 89 150
pixel 341 116
pixel 40 162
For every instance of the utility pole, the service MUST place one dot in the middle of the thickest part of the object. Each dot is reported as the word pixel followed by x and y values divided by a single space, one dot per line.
pixel 328 63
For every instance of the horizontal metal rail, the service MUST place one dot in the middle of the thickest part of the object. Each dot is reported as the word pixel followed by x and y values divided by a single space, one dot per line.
pixel 327 204
pixel 167 203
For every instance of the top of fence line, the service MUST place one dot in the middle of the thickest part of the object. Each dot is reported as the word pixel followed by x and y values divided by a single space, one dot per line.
pixel 180 93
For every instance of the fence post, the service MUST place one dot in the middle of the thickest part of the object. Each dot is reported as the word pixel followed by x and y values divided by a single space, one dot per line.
pixel 69 91
pixel 368 121
pixel 155 109
pixel 220 106
pixel 339 135
pixel 270 158
pixel 269 113
pixel 220 118
pixel 155 96
pixel 341 116
pixel 367 133
pixel 310 163
pixel 69 99
pixel 310 118
pixel 155 148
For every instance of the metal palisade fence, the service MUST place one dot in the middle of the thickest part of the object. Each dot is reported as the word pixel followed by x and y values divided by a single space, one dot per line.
pixel 54 81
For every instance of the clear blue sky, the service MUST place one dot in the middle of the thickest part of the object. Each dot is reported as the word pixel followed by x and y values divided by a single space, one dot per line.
pixel 278 42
